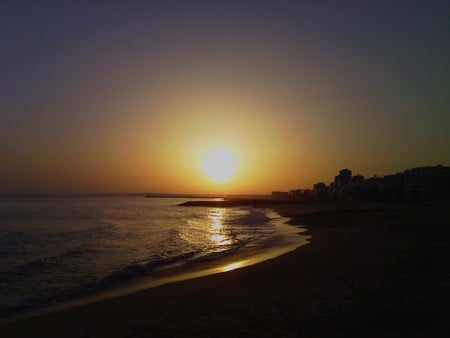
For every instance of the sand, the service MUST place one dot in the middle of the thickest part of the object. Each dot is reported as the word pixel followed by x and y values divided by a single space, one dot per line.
pixel 371 270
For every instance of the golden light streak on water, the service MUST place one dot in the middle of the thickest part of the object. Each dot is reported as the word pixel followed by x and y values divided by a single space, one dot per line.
pixel 217 232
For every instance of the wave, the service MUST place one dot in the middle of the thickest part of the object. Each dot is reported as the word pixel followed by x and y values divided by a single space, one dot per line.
pixel 252 217
pixel 56 295
pixel 140 270
pixel 52 261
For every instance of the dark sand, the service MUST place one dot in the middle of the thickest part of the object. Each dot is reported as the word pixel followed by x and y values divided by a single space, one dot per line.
pixel 371 270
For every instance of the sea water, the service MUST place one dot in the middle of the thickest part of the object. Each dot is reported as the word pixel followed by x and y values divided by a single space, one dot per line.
pixel 56 249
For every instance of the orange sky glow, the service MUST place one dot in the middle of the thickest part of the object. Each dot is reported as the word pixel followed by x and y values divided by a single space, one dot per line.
pixel 131 101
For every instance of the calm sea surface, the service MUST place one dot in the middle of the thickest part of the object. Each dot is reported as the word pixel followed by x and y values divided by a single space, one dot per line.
pixel 57 249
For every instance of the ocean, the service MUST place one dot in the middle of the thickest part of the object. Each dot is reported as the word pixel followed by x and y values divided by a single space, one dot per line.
pixel 54 250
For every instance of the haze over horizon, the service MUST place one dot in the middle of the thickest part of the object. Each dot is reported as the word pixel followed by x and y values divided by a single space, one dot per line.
pixel 121 97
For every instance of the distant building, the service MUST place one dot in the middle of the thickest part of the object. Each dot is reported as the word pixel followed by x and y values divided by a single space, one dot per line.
pixel 357 187
pixel 280 194
pixel 320 191
pixel 426 183
pixel 423 183
pixel 342 184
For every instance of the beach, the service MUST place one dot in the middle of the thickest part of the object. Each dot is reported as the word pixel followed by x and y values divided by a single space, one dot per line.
pixel 370 270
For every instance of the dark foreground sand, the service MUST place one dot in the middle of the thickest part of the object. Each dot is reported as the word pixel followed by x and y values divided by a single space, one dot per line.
pixel 371 270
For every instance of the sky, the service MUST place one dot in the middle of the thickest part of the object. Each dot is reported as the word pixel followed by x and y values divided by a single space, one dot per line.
pixel 128 96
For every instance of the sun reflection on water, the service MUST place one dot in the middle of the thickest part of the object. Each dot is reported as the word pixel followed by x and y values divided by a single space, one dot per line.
pixel 217 231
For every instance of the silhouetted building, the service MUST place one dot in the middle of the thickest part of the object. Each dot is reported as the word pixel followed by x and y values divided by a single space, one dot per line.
pixel 280 194
pixel 320 191
pixel 424 183
pixel 357 187
pixel 301 194
pixel 427 183
pixel 342 185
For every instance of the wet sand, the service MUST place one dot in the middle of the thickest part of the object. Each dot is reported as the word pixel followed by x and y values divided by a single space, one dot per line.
pixel 371 270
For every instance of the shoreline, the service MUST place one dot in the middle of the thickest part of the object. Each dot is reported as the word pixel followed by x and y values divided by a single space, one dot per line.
pixel 284 239
pixel 383 271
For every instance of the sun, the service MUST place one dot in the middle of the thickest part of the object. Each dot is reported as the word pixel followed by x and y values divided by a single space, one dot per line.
pixel 219 164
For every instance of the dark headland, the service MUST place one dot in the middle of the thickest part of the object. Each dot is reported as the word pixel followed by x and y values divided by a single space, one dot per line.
pixel 372 269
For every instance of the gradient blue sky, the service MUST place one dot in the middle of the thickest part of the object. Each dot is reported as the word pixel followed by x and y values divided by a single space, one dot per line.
pixel 115 96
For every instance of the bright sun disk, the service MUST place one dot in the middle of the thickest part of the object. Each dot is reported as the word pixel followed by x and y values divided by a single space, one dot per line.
pixel 219 164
